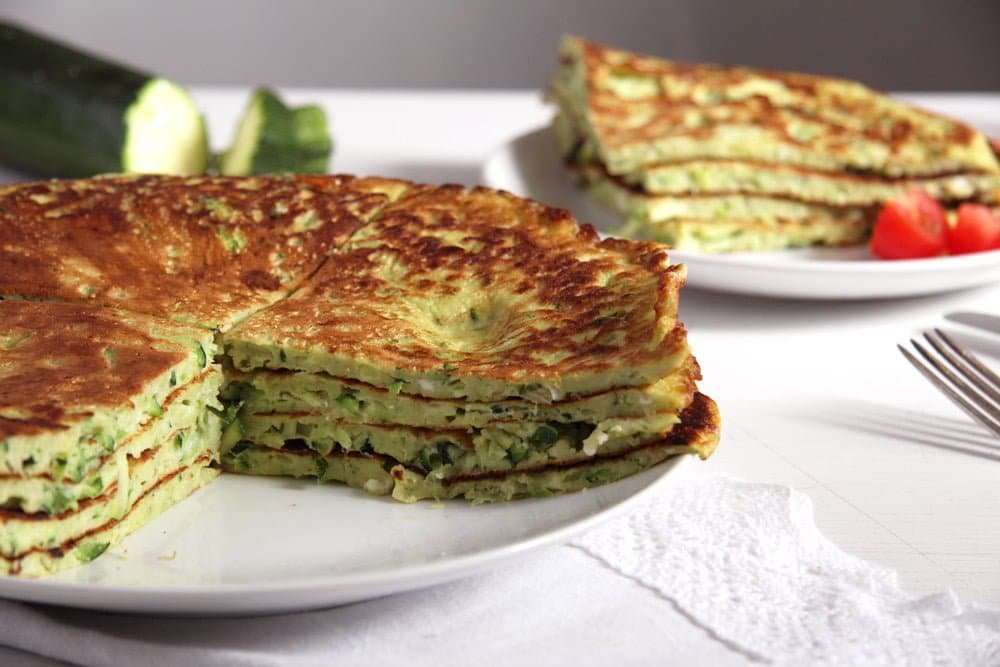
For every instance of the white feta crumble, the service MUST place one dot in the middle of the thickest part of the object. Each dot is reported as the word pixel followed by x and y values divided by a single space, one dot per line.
pixel 596 439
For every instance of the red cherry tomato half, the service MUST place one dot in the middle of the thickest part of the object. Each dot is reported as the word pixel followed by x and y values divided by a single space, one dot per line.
pixel 910 226
pixel 976 229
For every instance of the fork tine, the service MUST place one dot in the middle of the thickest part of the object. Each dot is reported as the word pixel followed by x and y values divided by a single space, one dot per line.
pixel 965 372
pixel 971 410
pixel 957 382
pixel 993 389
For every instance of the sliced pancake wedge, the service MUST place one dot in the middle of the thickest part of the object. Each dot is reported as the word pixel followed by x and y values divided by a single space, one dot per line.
pixel 96 404
pixel 726 223
pixel 477 294
pixel 729 176
pixel 748 234
pixel 204 250
pixel 22 532
pixel 636 204
pixel 97 465
pixel 831 188
pixel 697 433
pixel 38 546
pixel 77 381
pixel 715 159
pixel 640 111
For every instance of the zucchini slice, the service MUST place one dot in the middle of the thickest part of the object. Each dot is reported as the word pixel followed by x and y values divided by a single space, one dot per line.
pixel 68 113
pixel 273 138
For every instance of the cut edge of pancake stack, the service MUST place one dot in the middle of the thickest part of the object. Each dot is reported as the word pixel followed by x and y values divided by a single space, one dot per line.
pixel 107 418
pixel 477 367
pixel 714 159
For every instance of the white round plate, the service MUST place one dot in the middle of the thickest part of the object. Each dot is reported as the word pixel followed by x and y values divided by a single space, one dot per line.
pixel 530 166
pixel 258 545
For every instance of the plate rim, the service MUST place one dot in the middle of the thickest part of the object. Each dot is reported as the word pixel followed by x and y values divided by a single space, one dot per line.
pixel 945 262
pixel 324 591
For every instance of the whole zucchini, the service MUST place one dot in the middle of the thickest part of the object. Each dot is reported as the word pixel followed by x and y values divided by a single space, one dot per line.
pixel 68 113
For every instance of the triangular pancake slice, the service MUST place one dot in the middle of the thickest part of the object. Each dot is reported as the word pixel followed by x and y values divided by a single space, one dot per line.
pixel 639 111
pixel 204 250
pixel 96 406
pixel 480 295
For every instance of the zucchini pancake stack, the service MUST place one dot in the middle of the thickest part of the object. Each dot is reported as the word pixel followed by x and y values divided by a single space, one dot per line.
pixel 413 341
pixel 470 343
pixel 712 158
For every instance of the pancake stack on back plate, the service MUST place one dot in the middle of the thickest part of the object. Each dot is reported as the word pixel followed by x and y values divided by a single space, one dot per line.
pixel 713 158
pixel 418 341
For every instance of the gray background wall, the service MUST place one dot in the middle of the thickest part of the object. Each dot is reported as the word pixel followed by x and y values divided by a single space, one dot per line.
pixel 891 44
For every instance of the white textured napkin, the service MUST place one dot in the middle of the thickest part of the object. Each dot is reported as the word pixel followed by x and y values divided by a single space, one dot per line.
pixel 711 570
pixel 746 562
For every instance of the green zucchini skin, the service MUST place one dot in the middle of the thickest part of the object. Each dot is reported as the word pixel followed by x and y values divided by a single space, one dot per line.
pixel 273 138
pixel 63 111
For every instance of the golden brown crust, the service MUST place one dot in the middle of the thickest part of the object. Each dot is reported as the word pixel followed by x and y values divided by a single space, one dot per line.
pixel 487 284
pixel 62 362
pixel 700 426
pixel 695 99
pixel 197 249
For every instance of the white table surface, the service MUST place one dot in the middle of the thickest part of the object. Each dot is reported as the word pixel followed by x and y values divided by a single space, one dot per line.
pixel 813 394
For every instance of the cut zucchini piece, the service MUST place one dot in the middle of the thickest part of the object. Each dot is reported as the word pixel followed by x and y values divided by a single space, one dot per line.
pixel 68 113
pixel 273 138
pixel 164 134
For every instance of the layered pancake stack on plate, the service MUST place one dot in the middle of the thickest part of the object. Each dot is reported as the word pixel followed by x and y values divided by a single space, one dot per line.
pixel 712 158
pixel 470 343
pixel 418 341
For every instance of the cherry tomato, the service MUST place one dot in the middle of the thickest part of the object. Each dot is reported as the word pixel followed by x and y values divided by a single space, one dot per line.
pixel 976 229
pixel 910 226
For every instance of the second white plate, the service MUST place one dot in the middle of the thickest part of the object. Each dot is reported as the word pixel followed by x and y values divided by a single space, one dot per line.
pixel 530 166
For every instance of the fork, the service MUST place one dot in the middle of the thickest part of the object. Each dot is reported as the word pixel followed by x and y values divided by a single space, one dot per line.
pixel 970 384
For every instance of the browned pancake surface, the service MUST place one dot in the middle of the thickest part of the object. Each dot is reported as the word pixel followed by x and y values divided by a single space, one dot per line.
pixel 482 283
pixel 832 116
pixel 206 250
pixel 60 362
